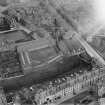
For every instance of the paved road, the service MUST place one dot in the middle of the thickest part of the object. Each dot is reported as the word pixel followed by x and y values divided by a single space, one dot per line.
pixel 77 36
pixel 70 97
pixel 90 50
pixel 76 98
pixel 79 97
pixel 71 23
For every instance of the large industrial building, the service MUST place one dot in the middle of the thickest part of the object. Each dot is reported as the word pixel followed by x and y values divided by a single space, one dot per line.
pixel 52 52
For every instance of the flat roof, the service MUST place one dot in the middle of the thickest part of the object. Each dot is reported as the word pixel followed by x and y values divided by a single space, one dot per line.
pixel 13 35
pixel 34 44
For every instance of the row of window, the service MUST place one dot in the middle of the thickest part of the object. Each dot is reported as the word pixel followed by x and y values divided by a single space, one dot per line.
pixel 70 89
pixel 53 91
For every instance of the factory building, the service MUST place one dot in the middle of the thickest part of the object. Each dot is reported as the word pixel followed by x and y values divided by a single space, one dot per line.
pixel 52 52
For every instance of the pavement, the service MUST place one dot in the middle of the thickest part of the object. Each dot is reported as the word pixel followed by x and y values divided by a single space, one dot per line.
pixel 87 47
pixel 78 35
pixel 90 50
pixel 79 97
pixel 76 98
pixel 68 97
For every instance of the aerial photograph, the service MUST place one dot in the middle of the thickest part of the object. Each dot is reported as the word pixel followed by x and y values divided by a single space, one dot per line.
pixel 52 52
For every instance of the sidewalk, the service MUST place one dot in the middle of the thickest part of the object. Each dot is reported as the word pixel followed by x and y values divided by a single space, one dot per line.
pixel 71 96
